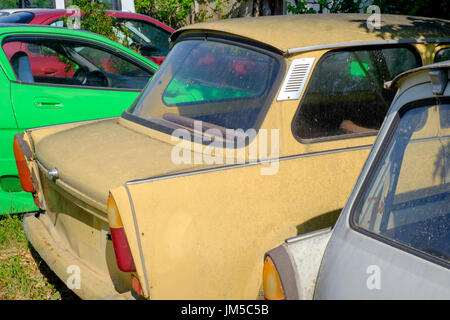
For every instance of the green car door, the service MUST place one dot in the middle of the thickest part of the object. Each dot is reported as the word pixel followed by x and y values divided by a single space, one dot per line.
pixel 56 76
pixel 11 199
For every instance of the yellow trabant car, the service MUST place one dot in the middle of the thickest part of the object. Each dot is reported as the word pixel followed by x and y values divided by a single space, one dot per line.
pixel 252 131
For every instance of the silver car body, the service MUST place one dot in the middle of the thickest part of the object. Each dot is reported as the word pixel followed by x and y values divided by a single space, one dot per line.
pixel 349 262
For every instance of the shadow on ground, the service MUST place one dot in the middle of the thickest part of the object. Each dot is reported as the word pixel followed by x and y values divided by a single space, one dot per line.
pixel 52 278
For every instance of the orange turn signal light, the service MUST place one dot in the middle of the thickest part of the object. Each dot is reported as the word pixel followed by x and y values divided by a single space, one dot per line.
pixel 273 288
pixel 24 172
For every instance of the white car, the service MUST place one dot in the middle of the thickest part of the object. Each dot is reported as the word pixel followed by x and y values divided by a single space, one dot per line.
pixel 392 239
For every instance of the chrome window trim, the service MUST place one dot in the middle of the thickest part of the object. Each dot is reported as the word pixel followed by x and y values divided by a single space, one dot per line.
pixel 308 235
pixel 362 44
pixel 247 164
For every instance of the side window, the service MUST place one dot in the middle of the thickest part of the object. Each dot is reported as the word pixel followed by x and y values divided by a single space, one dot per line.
pixel 407 198
pixel 70 63
pixel 346 92
pixel 442 55
pixel 58 23
pixel 150 39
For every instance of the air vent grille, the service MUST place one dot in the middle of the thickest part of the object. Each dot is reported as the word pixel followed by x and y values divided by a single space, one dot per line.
pixel 295 79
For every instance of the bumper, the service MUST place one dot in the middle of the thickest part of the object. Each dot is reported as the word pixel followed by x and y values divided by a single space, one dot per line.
pixel 59 257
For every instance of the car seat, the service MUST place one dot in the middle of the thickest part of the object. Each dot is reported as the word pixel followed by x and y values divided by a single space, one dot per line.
pixel 20 63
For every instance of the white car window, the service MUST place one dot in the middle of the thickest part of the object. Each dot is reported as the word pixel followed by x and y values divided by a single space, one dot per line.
pixel 408 198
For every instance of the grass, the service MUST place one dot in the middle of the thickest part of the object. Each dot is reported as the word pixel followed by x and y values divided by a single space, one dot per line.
pixel 23 274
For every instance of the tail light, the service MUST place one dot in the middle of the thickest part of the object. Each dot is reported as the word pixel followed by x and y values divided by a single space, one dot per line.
pixel 24 172
pixel 273 288
pixel 120 243
pixel 136 285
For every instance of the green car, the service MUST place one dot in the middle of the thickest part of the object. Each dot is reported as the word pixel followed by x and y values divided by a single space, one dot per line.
pixel 52 75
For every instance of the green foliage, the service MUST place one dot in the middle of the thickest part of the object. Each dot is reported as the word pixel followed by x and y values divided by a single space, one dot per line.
pixel 175 12
pixel 343 6
pixel 170 12
pixel 217 10
pixel 220 7
pixel 299 8
pixel 42 4
pixel 202 15
pixel 69 64
pixel 11 232
pixel 12 4
pixel 8 4
pixel 424 8
pixel 23 274
pixel 96 20
pixel 333 6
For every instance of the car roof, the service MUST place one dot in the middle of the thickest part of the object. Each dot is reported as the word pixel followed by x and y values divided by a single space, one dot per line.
pixel 117 13
pixel 17 27
pixel 413 79
pixel 34 10
pixel 312 30
pixel 398 80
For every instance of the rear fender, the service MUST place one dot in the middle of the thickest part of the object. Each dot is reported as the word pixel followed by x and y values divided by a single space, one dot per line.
pixel 124 204
pixel 298 262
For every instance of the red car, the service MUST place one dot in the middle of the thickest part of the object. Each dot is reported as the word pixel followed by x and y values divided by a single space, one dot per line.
pixel 150 35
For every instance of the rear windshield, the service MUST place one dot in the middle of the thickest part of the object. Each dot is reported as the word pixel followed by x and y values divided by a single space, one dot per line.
pixel 220 84
pixel 18 17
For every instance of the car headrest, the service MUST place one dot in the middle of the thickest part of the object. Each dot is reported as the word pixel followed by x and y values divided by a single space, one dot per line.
pixel 20 63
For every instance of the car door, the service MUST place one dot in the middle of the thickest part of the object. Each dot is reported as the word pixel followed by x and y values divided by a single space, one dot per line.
pixel 9 181
pixel 69 80
pixel 395 241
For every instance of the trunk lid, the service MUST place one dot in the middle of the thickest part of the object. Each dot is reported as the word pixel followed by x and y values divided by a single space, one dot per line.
pixel 96 157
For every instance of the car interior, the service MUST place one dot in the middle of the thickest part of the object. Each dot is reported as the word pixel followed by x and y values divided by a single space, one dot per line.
pixel 349 86
pixel 407 201
pixel 65 63
pixel 20 62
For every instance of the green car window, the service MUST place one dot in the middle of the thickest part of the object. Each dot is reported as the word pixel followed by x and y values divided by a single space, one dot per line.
pixel 346 93
pixel 71 63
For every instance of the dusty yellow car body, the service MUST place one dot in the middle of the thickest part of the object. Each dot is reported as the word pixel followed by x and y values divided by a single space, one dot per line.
pixel 199 231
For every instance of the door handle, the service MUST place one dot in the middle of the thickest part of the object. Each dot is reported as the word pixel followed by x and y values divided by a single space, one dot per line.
pixel 48 71
pixel 48 103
